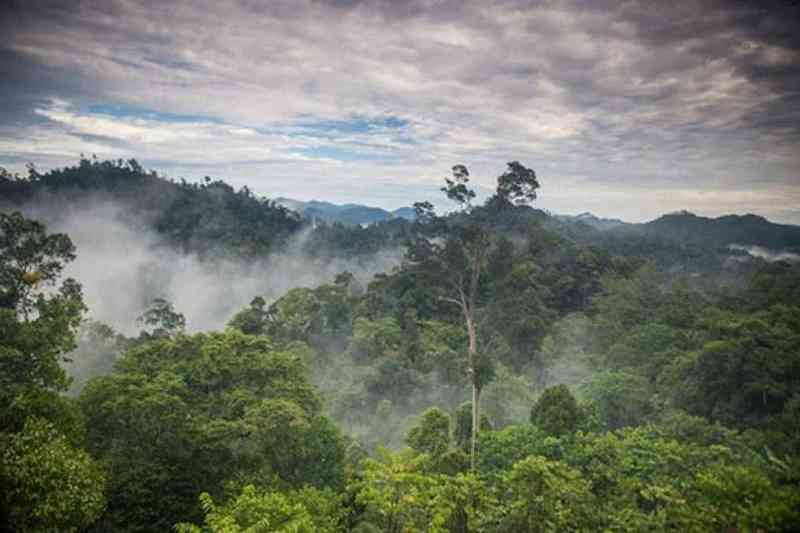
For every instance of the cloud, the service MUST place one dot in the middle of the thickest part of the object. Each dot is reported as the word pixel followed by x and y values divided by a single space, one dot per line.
pixel 345 96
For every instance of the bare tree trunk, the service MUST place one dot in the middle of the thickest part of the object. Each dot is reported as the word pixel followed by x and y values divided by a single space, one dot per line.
pixel 473 352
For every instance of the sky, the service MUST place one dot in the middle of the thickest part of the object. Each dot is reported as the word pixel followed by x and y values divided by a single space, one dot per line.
pixel 625 109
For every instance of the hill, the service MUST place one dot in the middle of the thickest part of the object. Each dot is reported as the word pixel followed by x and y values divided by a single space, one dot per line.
pixel 348 214
pixel 202 218
pixel 749 229
pixel 592 220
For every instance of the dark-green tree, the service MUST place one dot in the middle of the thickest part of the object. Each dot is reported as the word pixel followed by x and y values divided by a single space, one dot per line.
pixel 556 412
pixel 46 482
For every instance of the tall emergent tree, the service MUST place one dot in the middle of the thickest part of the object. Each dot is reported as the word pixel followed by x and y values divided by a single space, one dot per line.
pixel 452 251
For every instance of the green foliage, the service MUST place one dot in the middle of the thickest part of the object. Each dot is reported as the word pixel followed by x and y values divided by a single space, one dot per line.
pixel 251 320
pixel 443 346
pixel 541 495
pixel 196 217
pixel 507 397
pixel 307 510
pixel 556 411
pixel 500 297
pixel 47 484
pixel 162 320
pixel 620 399
pixel 500 450
pixel 431 434
pixel 184 414
pixel 651 482
pixel 518 184
pixel 373 339
pixel 37 326
pixel 740 497
pixel 30 258
pixel 398 497
pixel 750 371
pixel 456 187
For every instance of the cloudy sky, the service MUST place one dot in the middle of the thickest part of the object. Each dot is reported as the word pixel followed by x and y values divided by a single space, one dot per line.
pixel 626 109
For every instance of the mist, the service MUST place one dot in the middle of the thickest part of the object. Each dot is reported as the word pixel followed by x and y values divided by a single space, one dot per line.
pixel 123 265
pixel 766 254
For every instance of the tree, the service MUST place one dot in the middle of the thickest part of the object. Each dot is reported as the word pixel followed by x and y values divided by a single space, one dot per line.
pixel 517 184
pixel 308 510
pixel 397 496
pixel 31 258
pixel 180 416
pixel 37 327
pixel 620 398
pixel 462 426
pixel 253 319
pixel 556 412
pixel 544 496
pixel 48 484
pixel 162 319
pixel 457 263
pixel 294 316
pixel 431 434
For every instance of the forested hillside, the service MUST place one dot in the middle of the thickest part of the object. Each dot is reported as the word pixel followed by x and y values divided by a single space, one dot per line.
pixel 192 217
pixel 730 229
pixel 512 372
pixel 350 214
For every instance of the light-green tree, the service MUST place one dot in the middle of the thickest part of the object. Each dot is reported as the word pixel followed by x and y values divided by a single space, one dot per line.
pixel 542 495
pixel 308 510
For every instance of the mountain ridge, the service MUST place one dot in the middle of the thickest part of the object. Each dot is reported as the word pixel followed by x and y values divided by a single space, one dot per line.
pixel 746 229
pixel 348 214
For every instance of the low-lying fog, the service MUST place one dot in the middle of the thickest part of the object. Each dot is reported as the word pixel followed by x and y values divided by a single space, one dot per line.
pixel 765 253
pixel 123 265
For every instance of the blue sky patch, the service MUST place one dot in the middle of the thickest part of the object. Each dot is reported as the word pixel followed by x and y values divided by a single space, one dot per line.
pixel 357 124
pixel 125 111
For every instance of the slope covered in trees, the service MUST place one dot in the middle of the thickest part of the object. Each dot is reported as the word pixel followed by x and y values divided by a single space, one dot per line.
pixel 192 217
pixel 513 373
pixel 348 214
pixel 686 227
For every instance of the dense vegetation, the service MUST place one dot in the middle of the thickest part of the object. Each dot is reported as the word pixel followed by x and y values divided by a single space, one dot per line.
pixel 514 373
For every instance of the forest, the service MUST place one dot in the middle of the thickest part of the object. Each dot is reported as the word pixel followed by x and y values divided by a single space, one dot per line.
pixel 511 371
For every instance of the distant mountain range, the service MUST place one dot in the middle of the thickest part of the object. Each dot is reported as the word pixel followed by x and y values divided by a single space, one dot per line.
pixel 750 230
pixel 348 214
pixel 682 226
pixel 686 227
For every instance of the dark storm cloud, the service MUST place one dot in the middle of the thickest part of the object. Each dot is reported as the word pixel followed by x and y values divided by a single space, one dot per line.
pixel 627 108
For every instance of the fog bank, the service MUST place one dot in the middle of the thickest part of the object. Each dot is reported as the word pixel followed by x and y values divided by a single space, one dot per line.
pixel 123 265
pixel 765 253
